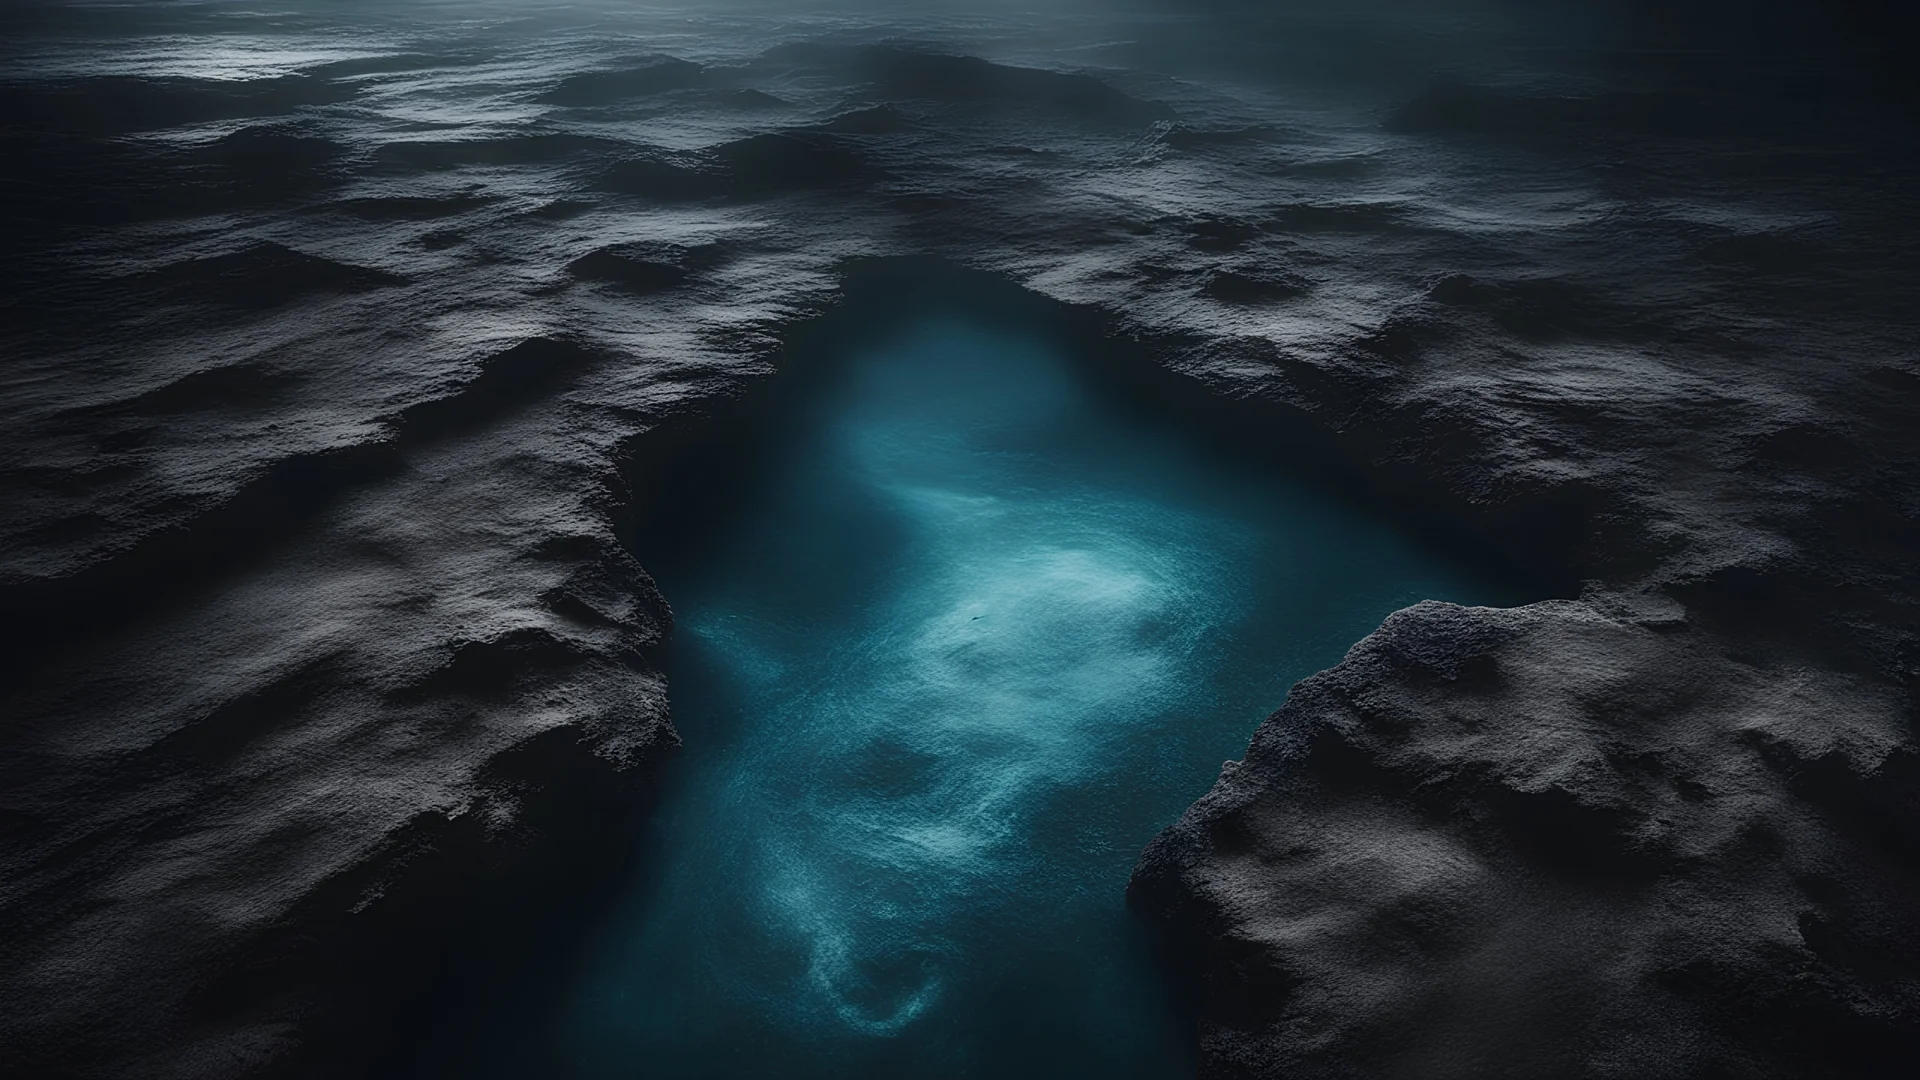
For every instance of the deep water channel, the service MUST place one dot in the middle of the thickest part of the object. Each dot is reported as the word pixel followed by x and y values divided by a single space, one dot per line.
pixel 965 635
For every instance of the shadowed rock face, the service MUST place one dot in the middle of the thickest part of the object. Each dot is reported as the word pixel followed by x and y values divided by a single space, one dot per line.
pixel 329 378
pixel 626 271
pixel 607 87
pixel 261 275
pixel 117 104
pixel 900 73
pixel 1552 841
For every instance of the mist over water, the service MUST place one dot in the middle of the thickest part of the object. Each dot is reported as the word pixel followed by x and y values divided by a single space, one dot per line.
pixel 974 637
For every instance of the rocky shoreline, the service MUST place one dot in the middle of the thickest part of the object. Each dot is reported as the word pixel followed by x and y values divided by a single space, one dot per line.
pixel 331 658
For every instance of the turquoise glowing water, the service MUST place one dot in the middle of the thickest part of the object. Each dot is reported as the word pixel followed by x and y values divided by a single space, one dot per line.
pixel 975 636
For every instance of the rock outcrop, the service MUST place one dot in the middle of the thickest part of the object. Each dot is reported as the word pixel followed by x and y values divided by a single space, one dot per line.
pixel 1557 840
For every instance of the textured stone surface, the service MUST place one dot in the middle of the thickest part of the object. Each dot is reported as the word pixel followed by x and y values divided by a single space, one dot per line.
pixel 1554 841
pixel 329 371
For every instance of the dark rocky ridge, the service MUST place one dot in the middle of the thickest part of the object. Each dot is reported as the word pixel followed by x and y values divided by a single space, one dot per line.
pixel 1560 840
pixel 323 626
pixel 603 87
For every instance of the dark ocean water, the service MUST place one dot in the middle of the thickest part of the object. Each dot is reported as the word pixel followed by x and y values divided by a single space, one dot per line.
pixel 971 635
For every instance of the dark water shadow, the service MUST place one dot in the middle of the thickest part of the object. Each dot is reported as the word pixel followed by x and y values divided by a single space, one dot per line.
pixel 707 466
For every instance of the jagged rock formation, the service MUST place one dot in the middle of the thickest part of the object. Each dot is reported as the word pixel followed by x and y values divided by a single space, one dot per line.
pixel 1554 841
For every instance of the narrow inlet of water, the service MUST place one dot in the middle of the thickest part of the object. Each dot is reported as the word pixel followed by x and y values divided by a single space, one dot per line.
pixel 969 635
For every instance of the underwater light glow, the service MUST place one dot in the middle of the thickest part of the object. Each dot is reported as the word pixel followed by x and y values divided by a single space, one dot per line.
pixel 977 635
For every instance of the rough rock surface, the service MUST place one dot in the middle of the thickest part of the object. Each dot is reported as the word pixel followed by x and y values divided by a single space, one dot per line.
pixel 330 365
pixel 1556 840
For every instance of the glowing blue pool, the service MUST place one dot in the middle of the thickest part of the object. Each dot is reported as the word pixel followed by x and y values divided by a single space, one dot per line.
pixel 973 637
